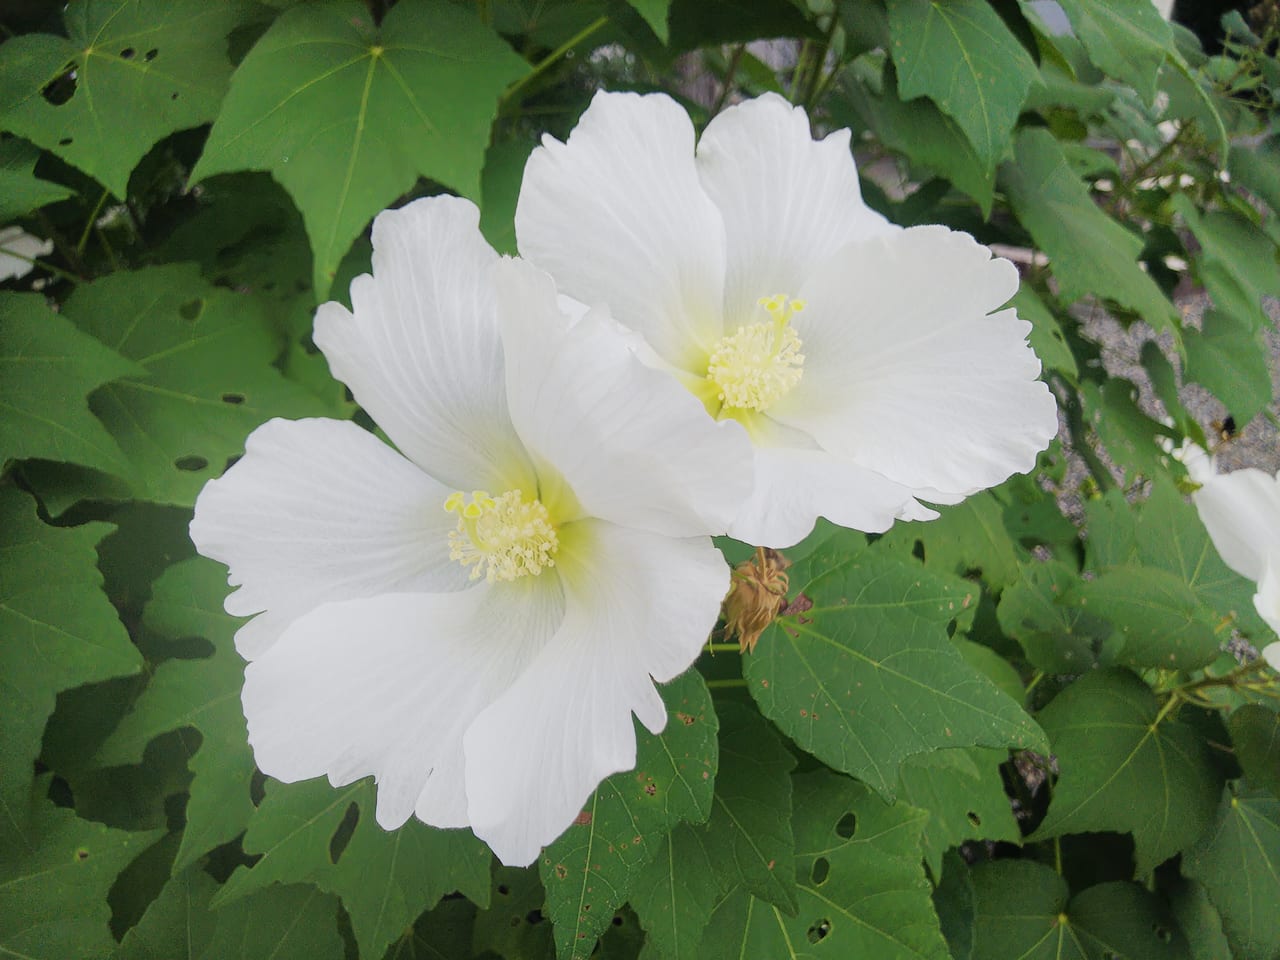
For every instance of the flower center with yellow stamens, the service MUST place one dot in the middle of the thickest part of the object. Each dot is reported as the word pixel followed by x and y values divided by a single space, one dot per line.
pixel 757 366
pixel 501 538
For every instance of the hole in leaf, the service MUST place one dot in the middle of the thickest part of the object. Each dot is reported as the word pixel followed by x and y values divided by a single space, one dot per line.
pixel 65 142
pixel 150 54
pixel 233 398
pixel 192 309
pixel 973 818
pixel 127 53
pixel 821 869
pixel 617 921
pixel 174 95
pixel 342 836
pixel 503 889
pixel 191 463
pixel 62 87
pixel 1162 933
pixel 82 854
pixel 818 931
pixel 533 916
pixel 847 826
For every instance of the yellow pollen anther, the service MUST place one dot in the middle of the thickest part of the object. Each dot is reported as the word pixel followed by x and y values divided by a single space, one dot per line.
pixel 502 538
pixel 758 365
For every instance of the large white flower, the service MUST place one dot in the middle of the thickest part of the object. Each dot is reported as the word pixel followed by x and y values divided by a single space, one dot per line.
pixel 1241 511
pixel 871 365
pixel 476 621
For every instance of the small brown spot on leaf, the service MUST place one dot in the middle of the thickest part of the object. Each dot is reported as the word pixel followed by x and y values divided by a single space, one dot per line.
pixel 583 818
pixel 650 789
pixel 561 871
pixel 686 719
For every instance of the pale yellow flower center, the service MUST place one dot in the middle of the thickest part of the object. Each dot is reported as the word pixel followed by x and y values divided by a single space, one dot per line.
pixel 501 538
pixel 759 364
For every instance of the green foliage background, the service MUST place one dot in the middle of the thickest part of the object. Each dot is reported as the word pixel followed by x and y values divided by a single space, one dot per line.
pixel 1023 730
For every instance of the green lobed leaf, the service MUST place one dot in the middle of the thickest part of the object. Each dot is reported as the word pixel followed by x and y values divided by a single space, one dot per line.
pixel 1255 734
pixel 868 676
pixel 967 538
pixel 385 878
pixel 178 923
pixel 1229 358
pixel 294 922
pixel 1170 536
pixel 47 370
pixel 347 115
pixel 59 631
pixel 133 72
pixel 1123 772
pixel 21 191
pixel 207 355
pixel 749 837
pixel 1052 202
pixel 1155 618
pixel 441 934
pixel 1021 909
pixel 961 55
pixel 1046 335
pixel 513 926
pixel 964 794
pixel 655 14
pixel 862 891
pixel 1199 921
pixel 1238 863
pixel 591 869
pixel 1128 39
pixel 1041 611
pixel 53 890
pixel 929 138
pixel 1257 169
pixel 203 694
pixel 1124 430
pixel 674 894
pixel 1236 261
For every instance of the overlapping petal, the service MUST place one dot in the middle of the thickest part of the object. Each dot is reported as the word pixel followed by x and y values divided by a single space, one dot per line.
pixel 636 605
pixel 422 353
pixel 321 510
pixel 617 215
pixel 789 202
pixel 1241 511
pixel 1267 600
pixel 911 368
pixel 388 685
pixel 635 447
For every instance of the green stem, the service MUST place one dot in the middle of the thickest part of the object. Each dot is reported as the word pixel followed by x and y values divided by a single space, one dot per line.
pixel 1035 681
pixel 815 80
pixel 550 59
pixel 88 226
pixel 722 647
pixel 729 72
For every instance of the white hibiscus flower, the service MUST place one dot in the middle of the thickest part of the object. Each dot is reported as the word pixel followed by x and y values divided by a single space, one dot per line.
pixel 18 251
pixel 473 622
pixel 872 366
pixel 1241 511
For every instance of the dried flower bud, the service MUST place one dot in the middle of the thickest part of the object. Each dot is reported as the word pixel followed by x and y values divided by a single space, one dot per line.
pixel 758 594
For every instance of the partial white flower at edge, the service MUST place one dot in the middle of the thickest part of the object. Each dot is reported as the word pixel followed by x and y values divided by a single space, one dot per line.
pixel 872 366
pixel 17 251
pixel 1241 511
pixel 473 622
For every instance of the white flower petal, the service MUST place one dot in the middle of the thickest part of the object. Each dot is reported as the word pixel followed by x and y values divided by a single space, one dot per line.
pixel 796 486
pixel 789 202
pixel 617 216
pixel 320 510
pixel 909 373
pixel 635 446
pixel 422 353
pixel 17 249
pixel 1267 601
pixel 635 605
pixel 1241 511
pixel 387 686
pixel 1271 653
